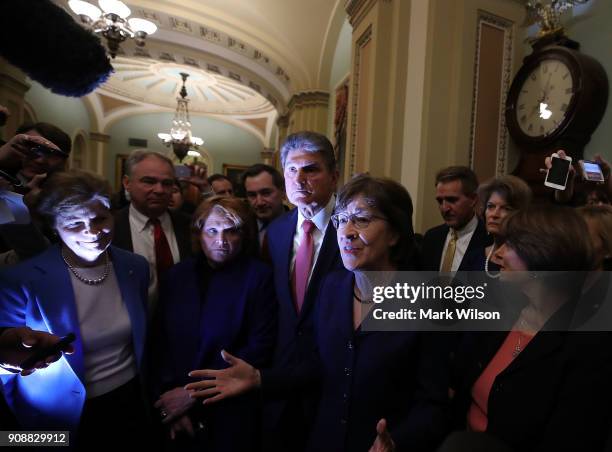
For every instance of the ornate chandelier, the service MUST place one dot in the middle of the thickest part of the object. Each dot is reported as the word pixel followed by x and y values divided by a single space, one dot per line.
pixel 112 22
pixel 547 13
pixel 180 138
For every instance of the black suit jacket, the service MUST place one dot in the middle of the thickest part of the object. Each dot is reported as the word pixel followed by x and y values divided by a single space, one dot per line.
pixel 180 222
pixel 433 245
pixel 554 396
pixel 295 341
pixel 401 376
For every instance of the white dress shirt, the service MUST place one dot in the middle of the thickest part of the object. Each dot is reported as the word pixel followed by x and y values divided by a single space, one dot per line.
pixel 321 221
pixel 143 242
pixel 464 236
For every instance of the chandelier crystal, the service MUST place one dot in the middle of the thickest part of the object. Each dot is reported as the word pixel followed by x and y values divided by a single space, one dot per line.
pixel 111 21
pixel 180 138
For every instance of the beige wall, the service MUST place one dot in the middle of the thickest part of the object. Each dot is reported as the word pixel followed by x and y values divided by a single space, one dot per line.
pixel 413 82
pixel 439 91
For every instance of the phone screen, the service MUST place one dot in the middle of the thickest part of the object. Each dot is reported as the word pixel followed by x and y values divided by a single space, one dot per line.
pixel 182 171
pixel 558 173
pixel 592 171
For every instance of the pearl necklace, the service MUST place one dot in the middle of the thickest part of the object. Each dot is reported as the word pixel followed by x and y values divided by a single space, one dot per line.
pixel 490 275
pixel 88 281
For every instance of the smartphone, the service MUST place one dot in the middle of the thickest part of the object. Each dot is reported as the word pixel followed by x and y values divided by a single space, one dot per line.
pixel 556 176
pixel 40 355
pixel 591 171
pixel 182 171
pixel 43 151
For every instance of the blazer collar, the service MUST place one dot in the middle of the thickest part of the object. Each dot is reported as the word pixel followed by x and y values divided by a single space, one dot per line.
pixel 57 304
pixel 133 299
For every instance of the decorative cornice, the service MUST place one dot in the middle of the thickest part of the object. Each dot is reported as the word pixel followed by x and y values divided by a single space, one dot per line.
pixel 358 9
pixel 310 98
pixel 101 137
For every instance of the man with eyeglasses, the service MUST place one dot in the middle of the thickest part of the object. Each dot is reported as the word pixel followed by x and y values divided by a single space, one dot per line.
pixel 147 227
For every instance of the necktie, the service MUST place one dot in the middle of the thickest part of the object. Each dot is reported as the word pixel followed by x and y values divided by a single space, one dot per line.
pixel 303 262
pixel 447 263
pixel 265 250
pixel 163 255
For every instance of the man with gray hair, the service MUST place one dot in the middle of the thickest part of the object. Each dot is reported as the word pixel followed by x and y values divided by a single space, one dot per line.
pixel 146 226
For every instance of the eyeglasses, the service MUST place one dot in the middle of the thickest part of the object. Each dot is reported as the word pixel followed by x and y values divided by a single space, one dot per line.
pixel 340 220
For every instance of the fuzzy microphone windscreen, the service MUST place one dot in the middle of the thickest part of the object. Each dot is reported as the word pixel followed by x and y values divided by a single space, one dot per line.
pixel 46 43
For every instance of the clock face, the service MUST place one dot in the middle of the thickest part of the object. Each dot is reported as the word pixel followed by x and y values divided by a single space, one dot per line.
pixel 544 98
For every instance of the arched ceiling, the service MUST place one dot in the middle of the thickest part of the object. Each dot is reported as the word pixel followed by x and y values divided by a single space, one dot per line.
pixel 159 82
pixel 246 58
pixel 287 37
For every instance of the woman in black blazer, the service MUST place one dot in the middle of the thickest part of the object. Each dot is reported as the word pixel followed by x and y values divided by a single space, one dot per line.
pixel 539 387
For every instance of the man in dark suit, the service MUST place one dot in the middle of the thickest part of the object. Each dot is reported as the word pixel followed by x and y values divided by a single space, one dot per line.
pixel 311 177
pixel 445 246
pixel 303 248
pixel 265 191
pixel 146 226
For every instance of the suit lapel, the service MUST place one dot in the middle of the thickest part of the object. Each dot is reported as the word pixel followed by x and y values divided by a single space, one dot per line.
pixel 58 306
pixel 130 292
pixel 325 261
pixel 181 233
pixel 123 232
pixel 437 257
pixel 543 344
pixel 285 246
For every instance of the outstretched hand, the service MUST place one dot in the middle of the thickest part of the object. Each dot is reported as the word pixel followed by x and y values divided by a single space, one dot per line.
pixel 217 385
pixel 383 441
pixel 19 344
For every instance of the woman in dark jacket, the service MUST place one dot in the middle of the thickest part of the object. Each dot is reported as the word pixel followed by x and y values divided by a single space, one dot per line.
pixel 539 387
pixel 221 300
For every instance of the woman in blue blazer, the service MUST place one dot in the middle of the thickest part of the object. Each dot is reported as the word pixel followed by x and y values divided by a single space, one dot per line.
pixel 221 300
pixel 99 293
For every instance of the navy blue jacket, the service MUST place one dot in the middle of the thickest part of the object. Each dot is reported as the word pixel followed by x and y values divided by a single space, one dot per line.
pixel 367 376
pixel 204 311
pixel 295 341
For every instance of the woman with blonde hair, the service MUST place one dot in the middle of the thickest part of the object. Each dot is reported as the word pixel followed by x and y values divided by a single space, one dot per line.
pixel 221 301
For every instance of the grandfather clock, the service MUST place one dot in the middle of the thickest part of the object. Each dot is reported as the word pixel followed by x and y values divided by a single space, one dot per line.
pixel 556 101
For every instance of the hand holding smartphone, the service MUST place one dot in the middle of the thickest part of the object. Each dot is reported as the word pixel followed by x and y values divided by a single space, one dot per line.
pixel 182 171
pixel 43 353
pixel 557 174
pixel 591 171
